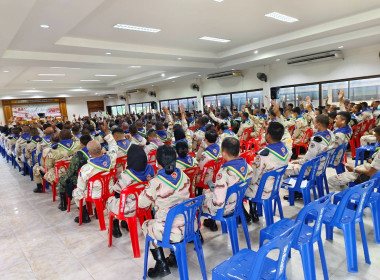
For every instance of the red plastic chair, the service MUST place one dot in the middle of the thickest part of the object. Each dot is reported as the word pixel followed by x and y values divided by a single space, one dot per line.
pixel 122 161
pixel 192 154
pixel 104 178
pixel 304 141
pixel 355 129
pixel 192 128
pixel 249 156
pixel 291 129
pixel 215 165
pixel 192 173
pixel 169 143
pixel 247 136
pixel 141 214
pixel 372 123
pixel 152 155
pixel 58 165
pixel 364 127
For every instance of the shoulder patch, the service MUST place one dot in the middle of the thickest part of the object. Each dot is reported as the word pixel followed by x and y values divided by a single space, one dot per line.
pixel 317 139
pixel 263 152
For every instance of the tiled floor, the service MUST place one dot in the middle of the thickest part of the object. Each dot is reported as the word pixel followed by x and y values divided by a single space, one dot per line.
pixel 40 242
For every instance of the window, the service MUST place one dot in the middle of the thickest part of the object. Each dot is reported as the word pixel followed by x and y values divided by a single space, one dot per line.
pixel 288 94
pixel 239 99
pixel 173 105
pixel 257 98
pixel 185 104
pixel 146 108
pixel 224 100
pixel 210 100
pixel 310 90
pixel 191 106
pixel 132 108
pixel 331 90
pixel 164 104
pixel 365 90
pixel 118 110
pixel 139 108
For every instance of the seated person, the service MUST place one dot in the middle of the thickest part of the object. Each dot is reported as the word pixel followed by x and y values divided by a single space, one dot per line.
pixel 167 189
pixel 342 132
pixel 161 132
pixel 136 138
pixel 245 123
pixel 153 142
pixel 32 145
pixel 300 125
pixel 68 181
pixel 224 132
pixel 359 174
pixel 234 171
pixel 122 145
pixel 223 116
pixel 184 161
pixel 21 144
pixel 199 134
pixel 138 170
pixel 271 157
pixel 76 131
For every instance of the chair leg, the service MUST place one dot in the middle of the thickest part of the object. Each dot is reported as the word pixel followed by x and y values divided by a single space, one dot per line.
pixel 89 208
pixel 68 204
pixel 308 262
pixel 224 226
pixel 146 257
pixel 350 244
pixel 278 199
pixel 110 228
pixel 99 210
pixel 132 225
pixel 326 184
pixel 329 232
pixel 201 258
pixel 364 241
pixel 323 259
pixel 291 197
pixel 80 211
pixel 306 196
pixel 232 231
pixel 245 228
pixel 268 212
pixel 181 256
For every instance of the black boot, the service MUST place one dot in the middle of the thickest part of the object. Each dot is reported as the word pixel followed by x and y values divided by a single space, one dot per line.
pixel 124 224
pixel 116 229
pixel 38 189
pixel 171 260
pixel 253 212
pixel 207 222
pixel 247 216
pixel 85 217
pixel 213 226
pixel 161 268
pixel 63 202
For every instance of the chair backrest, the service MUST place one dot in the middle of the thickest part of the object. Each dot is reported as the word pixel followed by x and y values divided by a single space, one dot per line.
pixel 215 165
pixel 39 156
pixel 58 165
pixel 249 156
pixel 153 164
pixel 239 190
pixel 324 161
pixel 282 243
pixel 277 175
pixel 359 193
pixel 311 166
pixel 104 178
pixel 291 129
pixel 122 161
pixel 246 134
pixel 152 155
pixel 133 190
pixel 340 150
pixel 190 210
pixel 191 173
pixel 306 137
pixel 33 155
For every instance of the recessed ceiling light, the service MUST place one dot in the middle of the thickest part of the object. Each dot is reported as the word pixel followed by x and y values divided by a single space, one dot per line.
pixel 31 91
pixel 163 75
pixel 152 85
pixel 108 53
pixel 281 17
pixel 256 52
pixel 215 39
pixel 37 96
pixel 78 89
pixel 341 47
pixel 199 75
pixel 58 75
pixel 219 1
pixel 5 71
pixel 59 67
pixel 136 28
pixel 179 58
pixel 90 80
pixel 105 75
pixel 278 59
pixel 232 69
pixel 41 80
pixel 45 26
pixel 134 66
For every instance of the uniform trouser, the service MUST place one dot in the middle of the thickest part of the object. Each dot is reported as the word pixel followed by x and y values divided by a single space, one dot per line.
pixel 20 161
pixel 49 176
pixel 367 140
pixel 155 229
pixel 339 182
pixel 292 170
pixel 78 195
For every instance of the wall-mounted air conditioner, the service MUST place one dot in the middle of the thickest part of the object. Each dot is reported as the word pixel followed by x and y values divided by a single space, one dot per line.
pixel 316 57
pixel 139 90
pixel 226 74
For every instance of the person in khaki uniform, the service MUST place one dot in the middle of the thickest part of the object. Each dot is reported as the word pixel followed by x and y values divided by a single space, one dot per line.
pixel 300 125
pixel 138 170
pixel 21 144
pixel 234 171
pixel 359 174
pixel 342 132
pixel 122 145
pixel 184 161
pixel 257 122
pixel 153 142
pixel 224 132
pixel 223 117
pixel 271 157
pixel 45 143
pixel 245 124
pixel 98 162
pixel 65 149
pixel 167 189
pixel 199 134
pixel 32 145
pixel 10 142
pixel 136 138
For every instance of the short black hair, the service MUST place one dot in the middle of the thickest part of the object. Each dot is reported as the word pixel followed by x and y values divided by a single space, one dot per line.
pixel 272 113
pixel 65 134
pixel 262 110
pixel 346 116
pixel 179 134
pixel 84 139
pixel 291 105
pixel 246 115
pixel 323 120
pixel 333 115
pixel 159 126
pixel 276 131
pixel 133 129
pixel 152 133
pixel 75 129
pixel 231 146
pixel 117 130
pixel 182 148
pixel 364 104
pixel 166 157
pixel 211 136
pixel 296 110
pixel 223 126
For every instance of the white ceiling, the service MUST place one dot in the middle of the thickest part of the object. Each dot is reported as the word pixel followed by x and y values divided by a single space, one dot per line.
pixel 81 34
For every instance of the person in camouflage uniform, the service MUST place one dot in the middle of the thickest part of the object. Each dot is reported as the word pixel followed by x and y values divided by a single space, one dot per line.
pixel 10 142
pixel 32 145
pixel 199 134
pixel 138 170
pixel 184 161
pixel 21 144
pixel 224 132
pixel 98 162
pixel 45 143
pixel 122 145
pixel 300 125
pixel 153 143
pixel 136 138
pixel 68 181
pixel 342 132
pixel 233 171
pixel 65 149
pixel 167 189
pixel 245 124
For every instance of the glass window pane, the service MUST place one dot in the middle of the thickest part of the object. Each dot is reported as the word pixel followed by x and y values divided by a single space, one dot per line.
pixel 310 90
pixel 146 107
pixel 185 104
pixel 132 109
pixel 287 93
pixel 190 103
pixel 257 98
pixel 139 108
pixel 114 110
pixel 365 90
pixel 210 100
pixel 119 110
pixel 239 100
pixel 224 100
pixel 331 90
pixel 123 109
pixel 164 104
pixel 173 104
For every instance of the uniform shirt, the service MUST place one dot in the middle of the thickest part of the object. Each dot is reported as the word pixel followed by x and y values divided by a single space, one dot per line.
pixel 186 162
pixel 247 123
pixel 300 128
pixel 366 114
pixel 152 146
pixel 218 120
pixel 163 135
pixel 45 143
pixel 257 123
pixel 138 140
pixel 30 147
pixel 227 133
pixel 212 152
pixel 198 137
pixel 21 143
pixel 342 136
pixel 123 146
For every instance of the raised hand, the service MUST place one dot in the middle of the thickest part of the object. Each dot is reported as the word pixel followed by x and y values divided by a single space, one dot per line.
pixel 308 99
pixel 341 94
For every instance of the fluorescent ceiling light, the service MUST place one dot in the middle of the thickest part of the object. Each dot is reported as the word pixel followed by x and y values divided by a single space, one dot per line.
pixel 136 28
pixel 72 68
pixel 45 26
pixel 278 59
pixel 215 39
pixel 58 75
pixel 134 66
pixel 90 80
pixel 219 1
pixel 105 75
pixel 163 75
pixel 108 53
pixel 37 96
pixel 31 91
pixel 256 52
pixel 281 17
pixel 41 80
pixel 179 58
pixel 341 47
pixel 5 71
pixel 172 77
pixel 78 89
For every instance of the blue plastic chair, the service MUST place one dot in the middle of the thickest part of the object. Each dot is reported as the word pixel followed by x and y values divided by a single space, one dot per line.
pixel 27 166
pixel 231 219
pixel 33 154
pixel 345 216
pixel 307 236
pixel 320 180
pixel 361 151
pixel 191 211
pixel 304 183
pixel 339 152
pixel 267 204
pixel 248 264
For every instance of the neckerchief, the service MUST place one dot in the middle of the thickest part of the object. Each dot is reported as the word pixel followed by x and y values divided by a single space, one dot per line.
pixel 300 117
pixel 203 128
pixel 123 145
pixel 78 135
pixel 102 163
pixel 26 136
pixel 279 150
pixel 156 142
pixel 35 139
pixel 180 140
pixel 177 121
pixel 138 137
pixel 141 176
pixel 358 113
pixel 92 133
pixel 213 151
pixel 248 121
pixel 142 131
pixel 68 144
pixel 367 110
pixel 46 140
pixel 174 180
pixel 346 130
pixel 264 117
pixel 191 120
pixel 239 166
pixel 326 136
pixel 54 145
pixel 187 161
pixel 85 152
pixel 377 145
pixel 237 119
pixel 102 133
pixel 163 135
pixel 126 131
pixel 229 132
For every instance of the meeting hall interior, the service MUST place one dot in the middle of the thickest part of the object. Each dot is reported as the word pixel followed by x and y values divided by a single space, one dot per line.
pixel 189 139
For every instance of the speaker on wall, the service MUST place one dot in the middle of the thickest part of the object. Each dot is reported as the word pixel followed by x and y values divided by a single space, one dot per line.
pixel 274 92
pixel 153 105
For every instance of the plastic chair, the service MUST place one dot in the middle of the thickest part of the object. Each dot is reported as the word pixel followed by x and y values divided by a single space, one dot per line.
pixel 307 236
pixel 57 167
pixel 248 264
pixel 353 141
pixel 321 175
pixel 291 129
pixel 153 164
pixel 122 161
pixel 304 141
pixel 133 190
pixel 215 166
pixel 361 151
pixel 345 216
pixel 104 178
pixel 27 166
pixel 192 173
pixel 245 137
pixel 152 155
pixel 191 212
pixel 249 157
pixel 277 175
pixel 232 218
pixel 304 183
pixel 339 168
